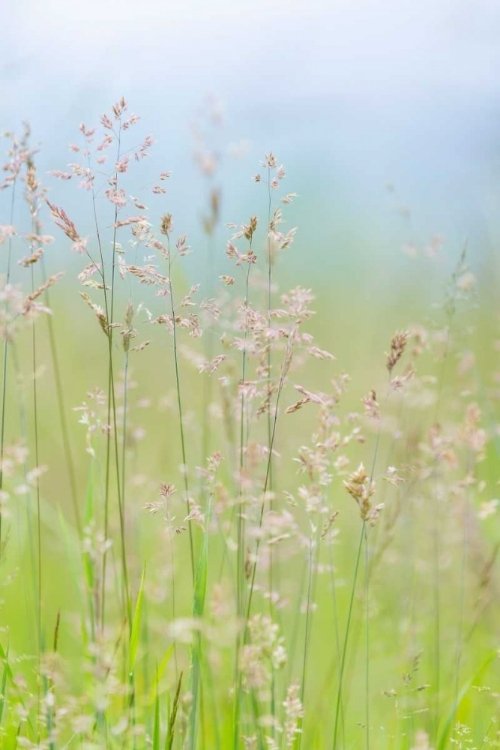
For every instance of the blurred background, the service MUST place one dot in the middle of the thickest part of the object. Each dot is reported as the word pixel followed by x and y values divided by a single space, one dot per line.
pixel 384 113
pixel 386 116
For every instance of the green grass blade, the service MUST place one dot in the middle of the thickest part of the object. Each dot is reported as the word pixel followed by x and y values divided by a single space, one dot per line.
pixel 200 591
pixel 136 626
pixel 443 740
pixel 160 672
pixel 169 741
pixel 157 725
pixel 7 672
pixel 88 518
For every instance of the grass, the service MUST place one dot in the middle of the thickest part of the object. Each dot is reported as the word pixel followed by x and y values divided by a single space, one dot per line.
pixel 283 596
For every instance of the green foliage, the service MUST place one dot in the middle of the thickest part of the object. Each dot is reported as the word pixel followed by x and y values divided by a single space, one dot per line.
pixel 321 550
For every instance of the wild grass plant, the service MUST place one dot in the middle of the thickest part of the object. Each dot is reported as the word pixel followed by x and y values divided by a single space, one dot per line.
pixel 201 547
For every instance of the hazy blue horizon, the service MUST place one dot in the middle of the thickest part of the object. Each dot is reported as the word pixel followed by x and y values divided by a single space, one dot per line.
pixel 350 96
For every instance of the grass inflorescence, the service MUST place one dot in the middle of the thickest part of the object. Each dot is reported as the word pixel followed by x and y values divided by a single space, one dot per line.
pixel 193 553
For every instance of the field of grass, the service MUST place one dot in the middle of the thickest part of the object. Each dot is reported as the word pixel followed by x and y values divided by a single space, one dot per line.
pixel 214 531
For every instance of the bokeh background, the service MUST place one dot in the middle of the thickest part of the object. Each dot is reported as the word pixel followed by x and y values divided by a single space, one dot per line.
pixel 350 94
pixel 386 116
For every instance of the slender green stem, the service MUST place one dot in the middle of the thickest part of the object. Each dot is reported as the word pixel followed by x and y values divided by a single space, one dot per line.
pixel 70 465
pixel 463 570
pixel 29 512
pixel 437 617
pixel 174 616
pixel 112 391
pixel 269 349
pixel 346 637
pixel 296 623
pixel 108 436
pixel 436 536
pixel 240 567
pixel 209 355
pixel 264 492
pixel 196 647
pixel 37 492
pixel 5 359
pixel 313 558
pixel 336 625
pixel 180 410
pixel 240 510
pixel 367 623
pixel 284 370
pixel 109 303
pixel 272 554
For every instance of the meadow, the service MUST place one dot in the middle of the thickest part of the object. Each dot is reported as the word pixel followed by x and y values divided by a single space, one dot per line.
pixel 236 512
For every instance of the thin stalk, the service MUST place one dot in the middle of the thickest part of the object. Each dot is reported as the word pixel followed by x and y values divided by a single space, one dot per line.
pixel 31 199
pixel 195 648
pixel 172 588
pixel 37 491
pixel 209 355
pixel 264 491
pixel 364 533
pixel 367 624
pixel 460 635
pixel 173 715
pixel 269 306
pixel 29 514
pixel 450 311
pixel 62 407
pixel 436 536
pixel 198 611
pixel 311 588
pixel 336 621
pixel 112 416
pixel 212 696
pixel 346 637
pixel 179 407
pixel 269 421
pixel 241 519
pixel 437 617
pixel 296 624
pixel 240 564
pixel 238 461
pixel 124 422
pixel 367 587
pixel 5 359
pixel 132 677
pixel 284 370
pixel 57 371
pixel 108 436
pixel 129 315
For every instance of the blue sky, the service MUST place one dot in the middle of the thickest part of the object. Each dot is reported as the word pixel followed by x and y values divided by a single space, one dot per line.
pixel 349 93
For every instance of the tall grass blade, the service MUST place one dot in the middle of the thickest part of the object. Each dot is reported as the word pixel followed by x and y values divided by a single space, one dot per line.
pixel 173 716
pixel 448 723
pixel 136 626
